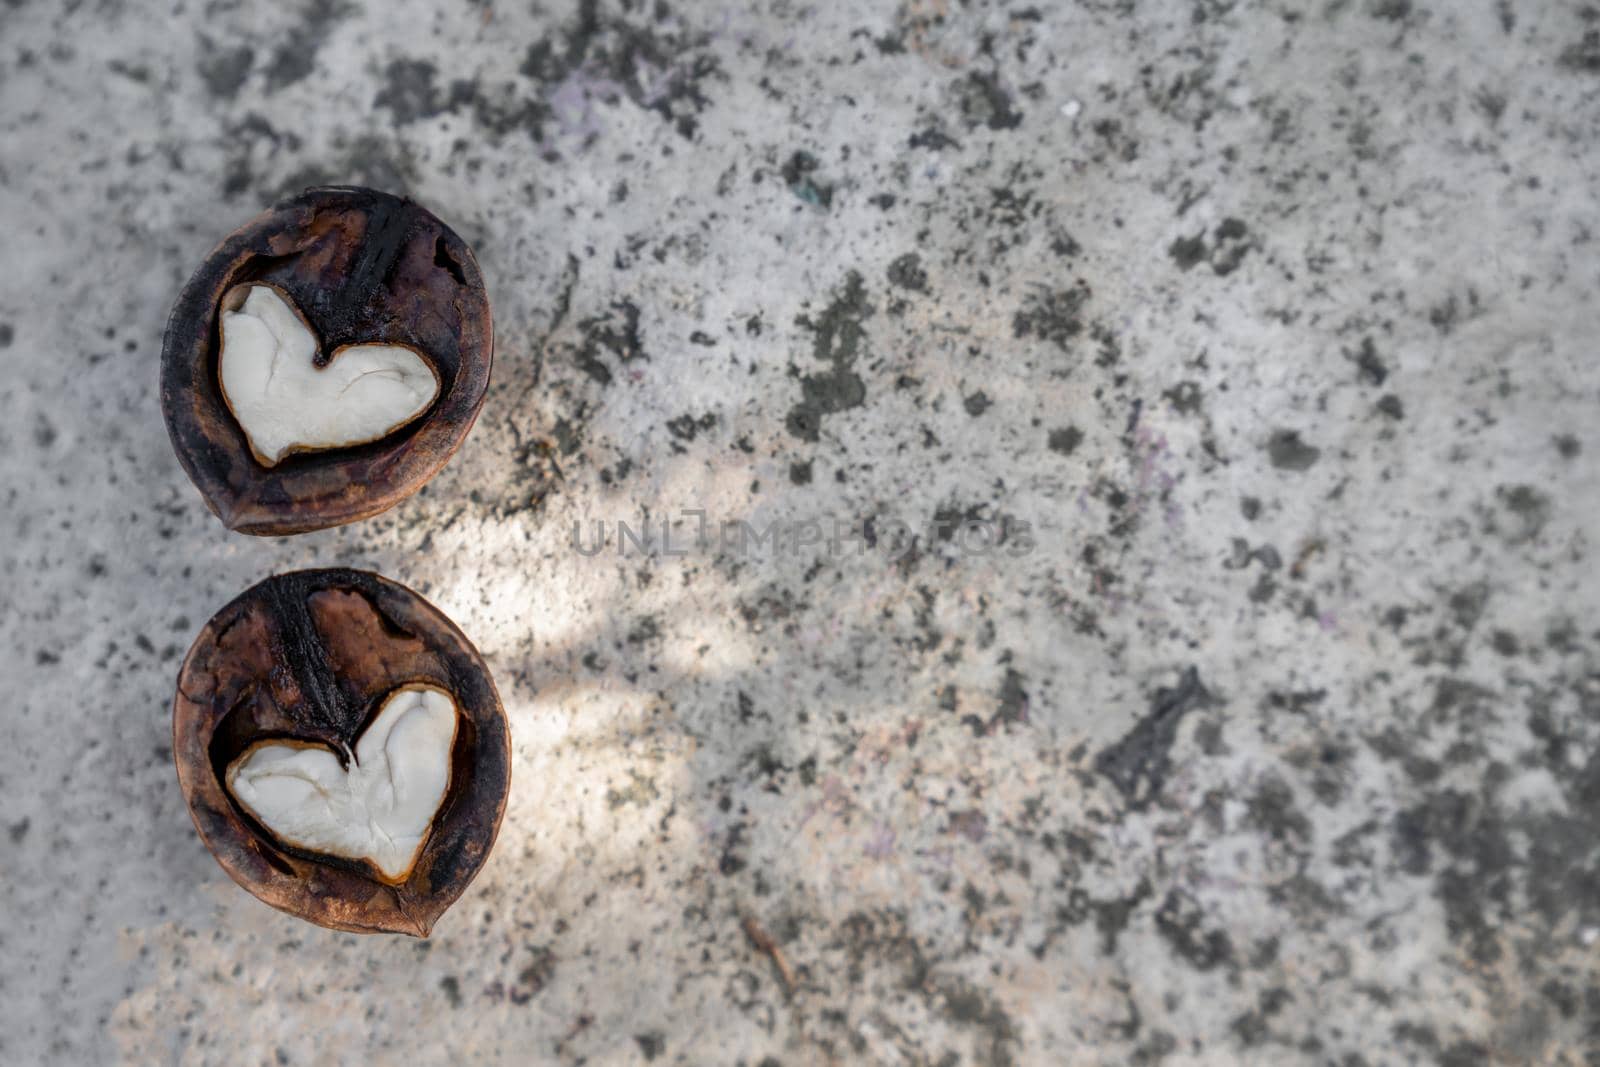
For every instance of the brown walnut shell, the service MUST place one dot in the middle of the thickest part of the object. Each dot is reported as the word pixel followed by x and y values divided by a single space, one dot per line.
pixel 309 656
pixel 361 267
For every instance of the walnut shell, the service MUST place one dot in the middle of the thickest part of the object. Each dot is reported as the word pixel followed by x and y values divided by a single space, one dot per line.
pixel 309 657
pixel 361 267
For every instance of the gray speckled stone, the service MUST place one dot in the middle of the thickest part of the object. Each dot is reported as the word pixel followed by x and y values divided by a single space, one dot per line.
pixel 1265 329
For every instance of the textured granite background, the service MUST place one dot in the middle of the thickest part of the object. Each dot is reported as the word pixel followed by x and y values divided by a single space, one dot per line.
pixel 1265 332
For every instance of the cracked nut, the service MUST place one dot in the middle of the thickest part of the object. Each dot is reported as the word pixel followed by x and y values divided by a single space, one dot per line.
pixel 325 361
pixel 342 750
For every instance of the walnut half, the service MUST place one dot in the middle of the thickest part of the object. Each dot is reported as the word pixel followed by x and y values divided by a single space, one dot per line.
pixel 342 750
pixel 325 361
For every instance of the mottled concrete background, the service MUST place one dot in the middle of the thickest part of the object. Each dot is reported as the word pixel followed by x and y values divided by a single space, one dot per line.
pixel 1265 332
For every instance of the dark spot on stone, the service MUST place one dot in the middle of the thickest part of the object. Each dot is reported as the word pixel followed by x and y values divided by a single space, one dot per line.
pixel 972 897
pixel 296 55
pixel 1530 505
pixel 933 138
pixel 1296 701
pixel 800 473
pixel 1390 10
pixel 1185 397
pixel 1252 1027
pixel 452 989
pixel 224 70
pixel 1208 735
pixel 798 175
pixel 704 340
pixel 409 93
pixel 534 977
pixel 1111 917
pixel 496 113
pixel 839 337
pixel 969 1005
pixel 977 403
pixel 686 427
pixel 1180 922
pixel 1466 1054
pixel 1447 314
pixel 1370 368
pixel 731 862
pixel 1416 1033
pixel 907 273
pixel 1390 405
pixel 1562 996
pixel 134 72
pixel 1065 246
pixel 542 63
pixel 1467 604
pixel 7 334
pixel 19 830
pixel 1249 507
pixel 1013 701
pixel 1566 444
pixel 44 432
pixel 1010 208
pixel 985 103
pixel 569 439
pixel 645 630
pixel 1490 103
pixel 1231 247
pixel 658 70
pixel 650 1045
pixel 1471 833
pixel 1138 763
pixel 1584 56
pixel 1188 251
pixel 1272 810
pixel 971 824
pixel 615 332
pixel 1053 315
pixel 1065 440
pixel 1232 230
pixel 1289 453
pixel 1227 251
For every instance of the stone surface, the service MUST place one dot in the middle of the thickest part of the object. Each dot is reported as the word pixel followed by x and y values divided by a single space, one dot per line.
pixel 1262 332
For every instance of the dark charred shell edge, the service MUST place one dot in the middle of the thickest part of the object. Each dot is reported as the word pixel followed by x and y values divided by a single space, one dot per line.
pixel 328 891
pixel 315 490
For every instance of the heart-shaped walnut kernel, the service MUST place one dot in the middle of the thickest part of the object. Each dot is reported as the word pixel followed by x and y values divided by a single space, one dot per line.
pixel 342 750
pixel 370 283
pixel 376 803
pixel 288 399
